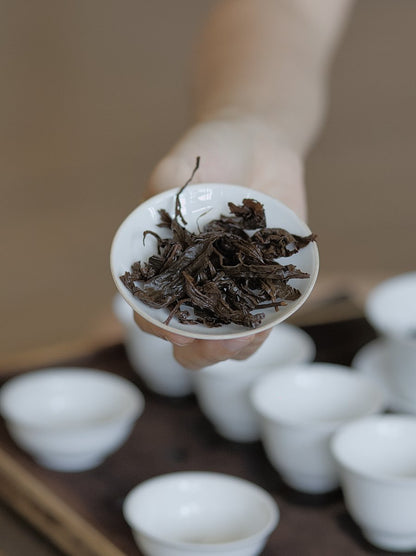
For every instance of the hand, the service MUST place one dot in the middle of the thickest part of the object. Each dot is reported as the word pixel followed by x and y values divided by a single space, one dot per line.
pixel 195 354
pixel 242 151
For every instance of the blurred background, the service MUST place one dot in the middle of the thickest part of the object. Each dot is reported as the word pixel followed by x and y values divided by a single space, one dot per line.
pixel 94 93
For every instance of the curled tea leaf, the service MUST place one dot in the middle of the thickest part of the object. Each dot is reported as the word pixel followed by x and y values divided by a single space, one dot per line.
pixel 222 274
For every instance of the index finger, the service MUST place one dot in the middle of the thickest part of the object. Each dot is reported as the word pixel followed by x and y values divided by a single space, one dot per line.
pixel 150 328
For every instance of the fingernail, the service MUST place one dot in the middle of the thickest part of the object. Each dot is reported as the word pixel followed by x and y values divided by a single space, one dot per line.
pixel 180 342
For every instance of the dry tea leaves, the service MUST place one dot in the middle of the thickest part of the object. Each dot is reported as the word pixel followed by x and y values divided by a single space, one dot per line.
pixel 222 274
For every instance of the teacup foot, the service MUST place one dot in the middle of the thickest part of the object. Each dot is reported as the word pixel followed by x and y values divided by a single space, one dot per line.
pixel 391 541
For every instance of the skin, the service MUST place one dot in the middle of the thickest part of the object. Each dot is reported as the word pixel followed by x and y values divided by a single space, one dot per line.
pixel 260 89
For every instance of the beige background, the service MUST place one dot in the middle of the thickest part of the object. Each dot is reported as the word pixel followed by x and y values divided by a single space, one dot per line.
pixel 92 95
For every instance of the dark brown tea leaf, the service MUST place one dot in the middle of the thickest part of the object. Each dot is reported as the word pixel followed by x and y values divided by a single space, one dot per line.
pixel 221 274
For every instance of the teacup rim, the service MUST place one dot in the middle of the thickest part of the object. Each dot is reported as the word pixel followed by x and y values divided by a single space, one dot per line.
pixel 130 411
pixel 265 531
pixel 377 404
pixel 363 474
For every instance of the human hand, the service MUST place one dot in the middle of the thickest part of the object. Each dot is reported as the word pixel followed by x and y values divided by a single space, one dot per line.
pixel 241 151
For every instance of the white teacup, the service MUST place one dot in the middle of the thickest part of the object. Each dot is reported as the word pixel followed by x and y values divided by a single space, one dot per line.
pixel 391 310
pixel 376 457
pixel 151 357
pixel 222 390
pixel 197 513
pixel 299 408
pixel 70 418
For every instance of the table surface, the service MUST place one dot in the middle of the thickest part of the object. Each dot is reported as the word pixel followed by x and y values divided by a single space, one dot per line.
pixel 173 435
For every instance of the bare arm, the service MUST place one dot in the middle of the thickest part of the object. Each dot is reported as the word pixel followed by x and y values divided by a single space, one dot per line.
pixel 269 59
pixel 260 87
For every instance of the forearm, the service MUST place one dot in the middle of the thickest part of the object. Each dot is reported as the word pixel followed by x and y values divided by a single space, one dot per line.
pixel 269 59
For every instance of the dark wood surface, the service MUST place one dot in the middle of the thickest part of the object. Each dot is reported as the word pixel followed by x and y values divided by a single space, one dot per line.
pixel 173 435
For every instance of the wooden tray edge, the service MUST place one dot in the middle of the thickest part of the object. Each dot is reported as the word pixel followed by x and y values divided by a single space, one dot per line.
pixel 49 514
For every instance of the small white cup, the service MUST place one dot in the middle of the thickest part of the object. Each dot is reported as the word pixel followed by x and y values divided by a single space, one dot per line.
pixel 70 419
pixel 151 357
pixel 391 310
pixel 222 390
pixel 200 513
pixel 299 409
pixel 376 457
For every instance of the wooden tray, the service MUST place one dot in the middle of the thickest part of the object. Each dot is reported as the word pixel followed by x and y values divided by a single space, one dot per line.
pixel 81 512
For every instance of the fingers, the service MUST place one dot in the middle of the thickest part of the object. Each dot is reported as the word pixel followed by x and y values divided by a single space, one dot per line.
pixel 202 353
pixel 253 346
pixel 175 339
pixel 195 354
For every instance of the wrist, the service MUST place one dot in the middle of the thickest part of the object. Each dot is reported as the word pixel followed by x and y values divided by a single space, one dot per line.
pixel 260 127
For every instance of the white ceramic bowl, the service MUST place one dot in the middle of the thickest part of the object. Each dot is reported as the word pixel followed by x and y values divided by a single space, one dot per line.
pixel 152 357
pixel 373 361
pixel 200 513
pixel 391 310
pixel 70 419
pixel 222 390
pixel 300 408
pixel 391 307
pixel 376 457
pixel 200 204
